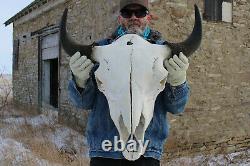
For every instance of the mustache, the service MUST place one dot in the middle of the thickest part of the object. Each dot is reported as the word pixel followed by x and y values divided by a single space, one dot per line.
pixel 134 22
pixel 134 30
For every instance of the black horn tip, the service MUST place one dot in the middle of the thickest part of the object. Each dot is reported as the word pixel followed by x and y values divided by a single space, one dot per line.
pixel 192 43
pixel 65 11
pixel 68 44
pixel 64 17
pixel 196 7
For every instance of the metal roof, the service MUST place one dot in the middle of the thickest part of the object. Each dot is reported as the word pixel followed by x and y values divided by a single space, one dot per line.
pixel 28 9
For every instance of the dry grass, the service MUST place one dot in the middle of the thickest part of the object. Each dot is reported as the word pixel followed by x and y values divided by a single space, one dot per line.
pixel 37 141
pixel 5 90
pixel 34 139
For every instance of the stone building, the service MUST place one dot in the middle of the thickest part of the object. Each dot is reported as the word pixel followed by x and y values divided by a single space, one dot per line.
pixel 216 119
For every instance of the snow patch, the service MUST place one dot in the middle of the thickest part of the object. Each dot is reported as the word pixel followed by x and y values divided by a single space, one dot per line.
pixel 14 153
pixel 231 159
pixel 33 121
pixel 66 137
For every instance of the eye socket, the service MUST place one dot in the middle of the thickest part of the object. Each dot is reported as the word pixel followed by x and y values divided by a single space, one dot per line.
pixel 129 43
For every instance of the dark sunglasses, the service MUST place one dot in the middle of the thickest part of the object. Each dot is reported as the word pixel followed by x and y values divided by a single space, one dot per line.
pixel 128 13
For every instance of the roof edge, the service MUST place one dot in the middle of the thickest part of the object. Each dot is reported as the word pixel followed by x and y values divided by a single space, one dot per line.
pixel 28 9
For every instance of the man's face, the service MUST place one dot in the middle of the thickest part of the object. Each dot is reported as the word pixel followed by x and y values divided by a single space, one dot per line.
pixel 134 18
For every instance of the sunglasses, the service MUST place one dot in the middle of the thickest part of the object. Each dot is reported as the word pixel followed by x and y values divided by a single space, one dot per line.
pixel 128 13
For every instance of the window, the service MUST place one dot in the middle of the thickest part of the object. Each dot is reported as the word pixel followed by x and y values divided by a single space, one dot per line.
pixel 218 10
pixel 50 46
pixel 15 54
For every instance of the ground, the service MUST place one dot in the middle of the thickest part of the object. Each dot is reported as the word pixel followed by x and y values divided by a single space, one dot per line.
pixel 38 139
pixel 28 138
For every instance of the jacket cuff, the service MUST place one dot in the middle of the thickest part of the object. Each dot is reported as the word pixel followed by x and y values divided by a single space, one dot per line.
pixel 175 93
pixel 88 85
pixel 79 89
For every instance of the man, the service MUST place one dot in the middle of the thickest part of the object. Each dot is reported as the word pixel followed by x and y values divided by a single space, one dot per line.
pixel 134 18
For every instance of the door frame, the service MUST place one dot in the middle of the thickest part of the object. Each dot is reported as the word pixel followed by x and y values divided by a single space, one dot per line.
pixel 40 35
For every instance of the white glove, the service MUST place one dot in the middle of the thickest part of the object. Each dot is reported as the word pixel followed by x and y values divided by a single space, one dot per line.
pixel 80 67
pixel 177 67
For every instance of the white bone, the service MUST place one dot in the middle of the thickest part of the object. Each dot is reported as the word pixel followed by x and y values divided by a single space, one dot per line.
pixel 131 75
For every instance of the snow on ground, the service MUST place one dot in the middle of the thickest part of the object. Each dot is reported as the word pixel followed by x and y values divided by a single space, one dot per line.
pixel 59 137
pixel 21 136
pixel 39 140
pixel 233 159
pixel 15 124
pixel 15 153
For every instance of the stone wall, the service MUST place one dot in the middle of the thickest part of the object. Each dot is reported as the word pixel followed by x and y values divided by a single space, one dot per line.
pixel 83 27
pixel 25 79
pixel 216 118
pixel 88 21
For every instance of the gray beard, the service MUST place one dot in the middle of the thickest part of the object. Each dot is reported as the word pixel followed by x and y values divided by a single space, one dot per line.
pixel 135 30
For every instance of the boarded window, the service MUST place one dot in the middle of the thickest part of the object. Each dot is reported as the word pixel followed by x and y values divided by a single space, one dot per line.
pixel 15 54
pixel 218 10
pixel 50 46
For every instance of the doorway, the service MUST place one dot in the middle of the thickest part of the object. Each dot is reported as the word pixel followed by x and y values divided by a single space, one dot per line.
pixel 49 70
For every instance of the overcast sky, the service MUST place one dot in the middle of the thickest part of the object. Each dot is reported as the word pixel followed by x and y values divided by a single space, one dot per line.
pixel 8 9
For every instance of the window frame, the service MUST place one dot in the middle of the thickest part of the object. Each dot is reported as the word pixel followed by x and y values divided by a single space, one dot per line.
pixel 213 10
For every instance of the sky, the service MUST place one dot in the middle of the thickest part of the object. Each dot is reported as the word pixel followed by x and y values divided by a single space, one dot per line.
pixel 8 9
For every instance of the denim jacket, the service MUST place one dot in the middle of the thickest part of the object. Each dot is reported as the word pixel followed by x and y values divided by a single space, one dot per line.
pixel 100 126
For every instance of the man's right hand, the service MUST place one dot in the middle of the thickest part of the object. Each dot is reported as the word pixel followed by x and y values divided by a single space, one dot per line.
pixel 80 67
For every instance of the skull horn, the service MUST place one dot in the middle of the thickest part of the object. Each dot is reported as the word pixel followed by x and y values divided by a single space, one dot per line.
pixel 192 43
pixel 68 44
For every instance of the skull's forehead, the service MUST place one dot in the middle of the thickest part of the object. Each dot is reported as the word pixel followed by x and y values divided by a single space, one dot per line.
pixel 130 59
pixel 129 44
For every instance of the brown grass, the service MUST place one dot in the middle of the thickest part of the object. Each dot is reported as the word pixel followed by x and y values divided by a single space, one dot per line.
pixel 36 140
pixel 40 146
pixel 38 143
pixel 5 91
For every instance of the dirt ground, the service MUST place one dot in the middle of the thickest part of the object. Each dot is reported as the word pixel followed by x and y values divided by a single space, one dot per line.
pixel 32 139
pixel 28 138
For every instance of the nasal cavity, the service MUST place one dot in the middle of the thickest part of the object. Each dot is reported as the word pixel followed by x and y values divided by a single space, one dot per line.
pixel 129 43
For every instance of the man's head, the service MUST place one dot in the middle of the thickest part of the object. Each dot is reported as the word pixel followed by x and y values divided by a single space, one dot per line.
pixel 134 15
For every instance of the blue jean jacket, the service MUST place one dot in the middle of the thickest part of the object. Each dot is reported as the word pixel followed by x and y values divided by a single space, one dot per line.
pixel 100 126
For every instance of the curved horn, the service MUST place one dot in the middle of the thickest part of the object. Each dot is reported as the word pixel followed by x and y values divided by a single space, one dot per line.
pixel 68 44
pixel 192 43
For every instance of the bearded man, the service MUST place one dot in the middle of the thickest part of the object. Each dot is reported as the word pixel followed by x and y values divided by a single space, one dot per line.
pixel 134 18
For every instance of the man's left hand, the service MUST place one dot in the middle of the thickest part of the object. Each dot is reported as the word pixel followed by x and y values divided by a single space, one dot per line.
pixel 177 67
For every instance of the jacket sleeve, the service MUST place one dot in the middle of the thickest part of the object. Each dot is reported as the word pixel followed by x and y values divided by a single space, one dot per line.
pixel 175 98
pixel 83 98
